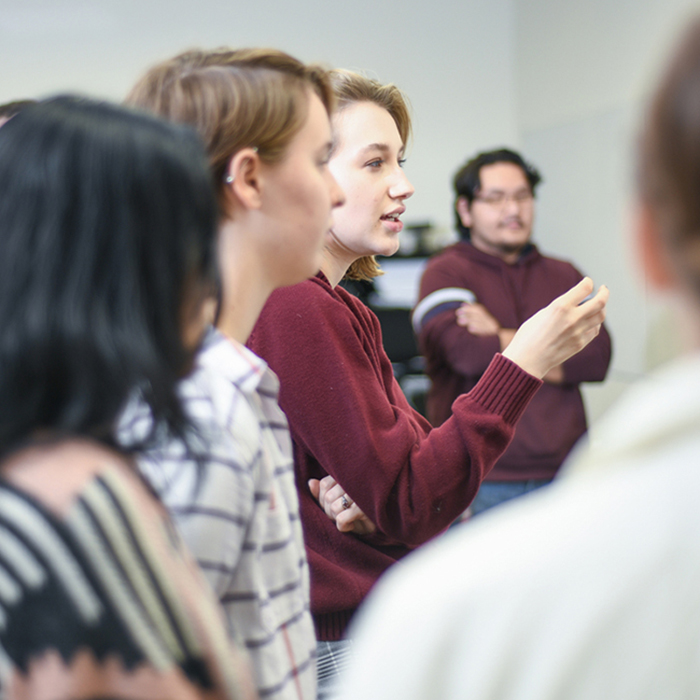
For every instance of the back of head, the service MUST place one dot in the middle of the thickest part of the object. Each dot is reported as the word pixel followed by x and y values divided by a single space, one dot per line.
pixel 234 99
pixel 669 162
pixel 350 88
pixel 107 217
pixel 466 182
pixel 9 109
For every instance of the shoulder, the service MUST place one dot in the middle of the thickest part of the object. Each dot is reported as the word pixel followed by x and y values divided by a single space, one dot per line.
pixel 311 314
pixel 304 297
pixel 454 255
pixel 218 398
pixel 461 260
pixel 456 266
pixel 58 474
pixel 554 265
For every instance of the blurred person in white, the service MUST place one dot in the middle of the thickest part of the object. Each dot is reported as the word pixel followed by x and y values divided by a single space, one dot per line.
pixel 590 589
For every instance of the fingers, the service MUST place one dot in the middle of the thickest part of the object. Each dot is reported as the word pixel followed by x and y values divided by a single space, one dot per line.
pixel 339 507
pixel 598 303
pixel 330 495
pixel 593 312
pixel 476 319
pixel 315 488
pixel 560 330
pixel 354 520
pixel 578 292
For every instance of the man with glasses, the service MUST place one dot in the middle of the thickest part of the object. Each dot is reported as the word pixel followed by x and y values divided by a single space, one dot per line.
pixel 473 297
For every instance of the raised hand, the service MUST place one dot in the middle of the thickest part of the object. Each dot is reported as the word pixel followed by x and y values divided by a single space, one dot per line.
pixel 560 330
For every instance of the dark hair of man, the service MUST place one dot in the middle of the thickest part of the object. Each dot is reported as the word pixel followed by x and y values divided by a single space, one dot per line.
pixel 9 109
pixel 466 182
pixel 108 224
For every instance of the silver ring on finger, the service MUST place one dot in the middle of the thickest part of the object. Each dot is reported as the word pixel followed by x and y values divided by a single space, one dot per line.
pixel 344 501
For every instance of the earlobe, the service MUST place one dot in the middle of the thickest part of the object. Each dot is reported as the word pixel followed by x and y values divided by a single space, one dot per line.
pixel 462 207
pixel 243 178
pixel 655 261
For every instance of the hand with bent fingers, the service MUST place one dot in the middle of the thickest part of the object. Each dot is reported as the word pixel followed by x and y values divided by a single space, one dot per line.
pixel 346 514
pixel 560 330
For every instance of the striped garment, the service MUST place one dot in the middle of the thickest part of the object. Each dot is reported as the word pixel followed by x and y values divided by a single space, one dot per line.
pixel 98 596
pixel 237 508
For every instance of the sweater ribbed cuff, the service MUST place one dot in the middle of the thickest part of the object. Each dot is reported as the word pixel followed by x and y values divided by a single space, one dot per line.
pixel 505 389
pixel 330 627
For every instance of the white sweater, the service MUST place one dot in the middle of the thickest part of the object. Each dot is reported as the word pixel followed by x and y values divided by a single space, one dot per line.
pixel 589 589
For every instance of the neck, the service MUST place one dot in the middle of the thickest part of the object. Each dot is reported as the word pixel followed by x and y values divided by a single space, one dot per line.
pixel 244 282
pixel 334 266
pixel 509 255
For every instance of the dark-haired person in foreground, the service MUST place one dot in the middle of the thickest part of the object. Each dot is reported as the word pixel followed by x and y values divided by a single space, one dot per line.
pixel 474 296
pixel 589 588
pixel 107 258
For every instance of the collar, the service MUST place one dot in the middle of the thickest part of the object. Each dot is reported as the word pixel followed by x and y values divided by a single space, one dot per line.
pixel 653 414
pixel 233 361
pixel 529 253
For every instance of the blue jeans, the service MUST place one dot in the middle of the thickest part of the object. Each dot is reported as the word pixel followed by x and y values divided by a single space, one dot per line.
pixel 492 493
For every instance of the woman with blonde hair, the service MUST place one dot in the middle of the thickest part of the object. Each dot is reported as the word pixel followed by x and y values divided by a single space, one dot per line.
pixel 264 118
pixel 357 441
pixel 589 588
pixel 108 229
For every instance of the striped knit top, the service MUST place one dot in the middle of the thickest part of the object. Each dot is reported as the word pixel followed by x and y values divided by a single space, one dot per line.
pixel 98 597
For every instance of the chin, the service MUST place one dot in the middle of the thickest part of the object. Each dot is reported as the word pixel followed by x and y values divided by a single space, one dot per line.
pixel 391 248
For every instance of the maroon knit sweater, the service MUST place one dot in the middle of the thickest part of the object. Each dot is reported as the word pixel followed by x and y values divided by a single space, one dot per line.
pixel 349 418
pixel 456 359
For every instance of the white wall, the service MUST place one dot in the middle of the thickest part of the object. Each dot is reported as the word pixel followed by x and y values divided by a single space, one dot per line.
pixel 583 73
pixel 562 79
pixel 441 53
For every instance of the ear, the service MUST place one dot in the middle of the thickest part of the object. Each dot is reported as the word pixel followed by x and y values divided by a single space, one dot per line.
pixel 655 261
pixel 243 178
pixel 462 207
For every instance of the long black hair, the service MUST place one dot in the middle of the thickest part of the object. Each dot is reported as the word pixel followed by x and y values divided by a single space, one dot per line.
pixel 107 226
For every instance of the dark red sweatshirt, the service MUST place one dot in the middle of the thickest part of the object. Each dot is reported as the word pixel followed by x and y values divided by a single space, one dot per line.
pixel 349 419
pixel 456 359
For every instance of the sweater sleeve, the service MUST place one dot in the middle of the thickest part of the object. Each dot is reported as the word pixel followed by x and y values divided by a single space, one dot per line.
pixel 468 355
pixel 350 419
pixel 441 338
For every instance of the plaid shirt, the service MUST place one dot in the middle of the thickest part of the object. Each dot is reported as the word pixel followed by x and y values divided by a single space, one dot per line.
pixel 238 510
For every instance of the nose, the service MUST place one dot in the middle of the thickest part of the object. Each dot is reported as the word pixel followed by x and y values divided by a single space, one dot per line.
pixel 401 188
pixel 337 194
pixel 511 206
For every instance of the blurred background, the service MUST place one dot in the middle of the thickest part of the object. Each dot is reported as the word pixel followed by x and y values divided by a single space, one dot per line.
pixel 563 81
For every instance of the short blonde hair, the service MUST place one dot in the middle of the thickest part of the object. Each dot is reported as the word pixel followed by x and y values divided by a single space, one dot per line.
pixel 349 88
pixel 234 99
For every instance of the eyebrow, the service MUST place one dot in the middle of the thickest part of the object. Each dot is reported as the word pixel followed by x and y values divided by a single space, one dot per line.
pixel 500 190
pixel 384 148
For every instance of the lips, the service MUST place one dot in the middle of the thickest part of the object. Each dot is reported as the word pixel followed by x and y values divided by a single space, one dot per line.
pixel 512 224
pixel 393 215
